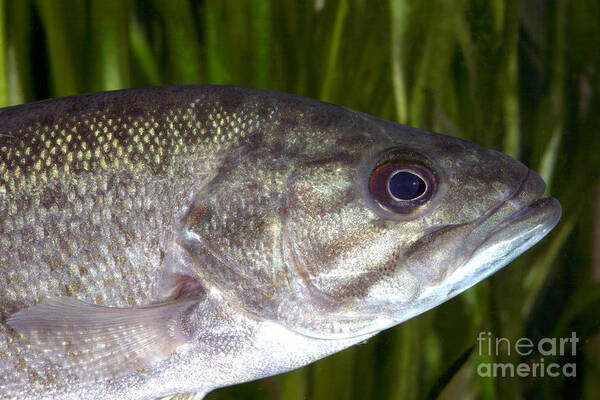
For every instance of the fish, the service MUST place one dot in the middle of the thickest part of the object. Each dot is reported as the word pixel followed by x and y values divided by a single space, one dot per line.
pixel 163 242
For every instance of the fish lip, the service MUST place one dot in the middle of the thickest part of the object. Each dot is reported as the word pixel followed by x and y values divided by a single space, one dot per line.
pixel 542 214
pixel 536 206
pixel 530 205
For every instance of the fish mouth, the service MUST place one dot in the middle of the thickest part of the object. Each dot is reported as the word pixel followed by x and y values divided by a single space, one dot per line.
pixel 521 230
pixel 540 216
pixel 508 230
pixel 522 219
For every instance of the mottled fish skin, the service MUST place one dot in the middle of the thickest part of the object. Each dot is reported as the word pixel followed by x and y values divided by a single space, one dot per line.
pixel 178 239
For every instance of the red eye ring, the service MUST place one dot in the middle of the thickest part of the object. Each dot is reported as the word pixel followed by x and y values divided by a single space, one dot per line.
pixel 401 186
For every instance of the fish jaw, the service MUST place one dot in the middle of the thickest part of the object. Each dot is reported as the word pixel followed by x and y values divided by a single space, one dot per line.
pixel 511 238
pixel 533 219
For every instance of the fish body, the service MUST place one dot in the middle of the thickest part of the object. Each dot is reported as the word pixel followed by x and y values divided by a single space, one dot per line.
pixel 175 240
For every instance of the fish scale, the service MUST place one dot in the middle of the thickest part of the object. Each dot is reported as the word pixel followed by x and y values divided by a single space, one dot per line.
pixel 81 204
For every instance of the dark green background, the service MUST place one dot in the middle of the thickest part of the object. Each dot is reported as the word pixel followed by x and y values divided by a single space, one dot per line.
pixel 520 77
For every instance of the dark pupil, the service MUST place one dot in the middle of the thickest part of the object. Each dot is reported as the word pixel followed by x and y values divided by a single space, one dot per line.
pixel 406 186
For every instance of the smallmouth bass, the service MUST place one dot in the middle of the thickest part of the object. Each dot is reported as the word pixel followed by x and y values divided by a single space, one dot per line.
pixel 174 240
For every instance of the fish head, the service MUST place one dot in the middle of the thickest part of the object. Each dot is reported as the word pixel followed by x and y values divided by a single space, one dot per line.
pixel 411 222
pixel 344 224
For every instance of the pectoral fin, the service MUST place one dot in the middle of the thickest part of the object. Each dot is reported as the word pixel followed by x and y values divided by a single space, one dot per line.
pixel 104 341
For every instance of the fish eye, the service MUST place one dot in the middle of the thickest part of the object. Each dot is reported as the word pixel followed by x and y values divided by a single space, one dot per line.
pixel 401 186
pixel 404 185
